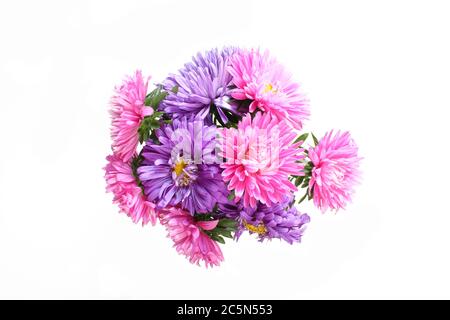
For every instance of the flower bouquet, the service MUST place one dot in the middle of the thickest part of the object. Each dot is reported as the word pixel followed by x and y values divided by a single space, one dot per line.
pixel 216 150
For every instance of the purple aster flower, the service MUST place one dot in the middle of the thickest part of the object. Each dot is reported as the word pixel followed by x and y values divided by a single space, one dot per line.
pixel 181 170
pixel 202 87
pixel 281 220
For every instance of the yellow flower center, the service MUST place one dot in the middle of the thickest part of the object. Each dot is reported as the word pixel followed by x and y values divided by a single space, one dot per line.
pixel 270 88
pixel 179 167
pixel 259 229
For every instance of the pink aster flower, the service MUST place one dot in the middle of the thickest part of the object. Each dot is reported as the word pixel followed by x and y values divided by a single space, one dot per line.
pixel 335 170
pixel 127 194
pixel 259 156
pixel 127 110
pixel 261 78
pixel 188 237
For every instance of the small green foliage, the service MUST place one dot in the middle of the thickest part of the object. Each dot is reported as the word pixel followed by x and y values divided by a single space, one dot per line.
pixel 302 138
pixel 148 126
pixel 145 129
pixel 150 123
pixel 135 163
pixel 311 193
pixel 231 196
pixel 175 89
pixel 308 194
pixel 225 228
pixel 308 168
pixel 303 197
pixel 298 180
pixel 316 142
pixel 154 98
pixel 303 180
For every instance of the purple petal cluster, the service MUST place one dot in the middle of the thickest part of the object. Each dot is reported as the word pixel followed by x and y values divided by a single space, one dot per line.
pixel 281 220
pixel 180 169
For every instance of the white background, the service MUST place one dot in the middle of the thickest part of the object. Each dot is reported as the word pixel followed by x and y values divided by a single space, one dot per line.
pixel 378 68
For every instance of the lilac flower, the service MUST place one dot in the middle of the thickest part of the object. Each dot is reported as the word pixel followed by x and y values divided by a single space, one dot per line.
pixel 180 171
pixel 281 220
pixel 202 87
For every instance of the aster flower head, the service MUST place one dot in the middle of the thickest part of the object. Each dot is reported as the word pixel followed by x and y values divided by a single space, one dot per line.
pixel 201 87
pixel 189 239
pixel 260 78
pixel 335 170
pixel 128 195
pixel 181 170
pixel 259 157
pixel 281 221
pixel 127 109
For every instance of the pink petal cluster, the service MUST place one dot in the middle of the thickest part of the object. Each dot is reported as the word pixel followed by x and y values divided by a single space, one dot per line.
pixel 127 110
pixel 259 156
pixel 127 194
pixel 188 237
pixel 335 170
pixel 261 78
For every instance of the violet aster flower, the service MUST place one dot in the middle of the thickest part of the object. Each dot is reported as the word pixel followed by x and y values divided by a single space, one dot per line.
pixel 335 170
pixel 181 170
pixel 202 86
pixel 281 220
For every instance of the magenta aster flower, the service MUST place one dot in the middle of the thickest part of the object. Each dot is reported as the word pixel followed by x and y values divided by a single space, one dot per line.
pixel 259 157
pixel 280 221
pixel 127 110
pixel 263 80
pixel 181 169
pixel 189 239
pixel 335 170
pixel 127 194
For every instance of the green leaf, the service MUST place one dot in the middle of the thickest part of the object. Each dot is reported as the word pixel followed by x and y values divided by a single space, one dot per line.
pixel 154 98
pixel 231 196
pixel 157 114
pixel 148 126
pixel 316 142
pixel 154 124
pixel 227 223
pixel 226 233
pixel 204 217
pixel 303 198
pixel 305 183
pixel 308 168
pixel 135 163
pixel 302 137
pixel 225 228
pixel 299 180
pixel 154 137
pixel 175 89
pixel 218 239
